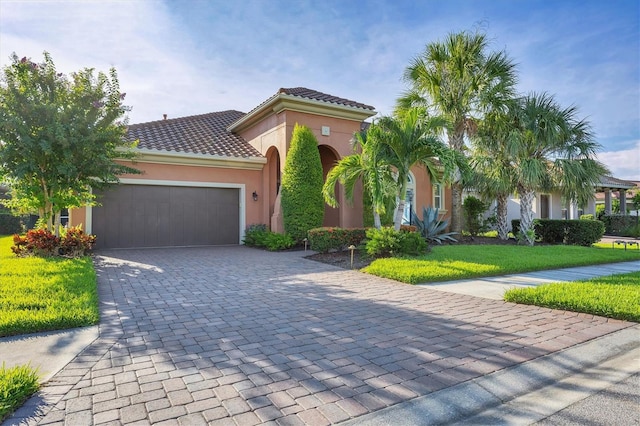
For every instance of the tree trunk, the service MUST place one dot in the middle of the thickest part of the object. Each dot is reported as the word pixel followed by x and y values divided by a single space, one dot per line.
pixel 456 207
pixel 399 213
pixel 501 213
pixel 526 215
pixel 377 223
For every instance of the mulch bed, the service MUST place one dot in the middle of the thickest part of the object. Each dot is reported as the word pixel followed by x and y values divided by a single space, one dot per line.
pixel 342 259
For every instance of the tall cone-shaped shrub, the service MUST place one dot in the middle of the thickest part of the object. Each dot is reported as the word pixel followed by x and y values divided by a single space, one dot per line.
pixel 301 187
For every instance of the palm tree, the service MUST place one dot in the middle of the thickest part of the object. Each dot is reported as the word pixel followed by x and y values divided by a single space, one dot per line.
pixel 459 81
pixel 552 150
pixel 366 165
pixel 493 177
pixel 407 140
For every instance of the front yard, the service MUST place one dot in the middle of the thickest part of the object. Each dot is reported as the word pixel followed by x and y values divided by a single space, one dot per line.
pixel 455 262
pixel 41 294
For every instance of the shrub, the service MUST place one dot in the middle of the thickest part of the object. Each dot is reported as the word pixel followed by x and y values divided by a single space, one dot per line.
pixel 473 209
pixel 587 217
pixel 632 231
pixel 325 239
pixel 301 187
pixel 583 232
pixel 386 241
pixel 255 235
pixel 16 385
pixel 615 224
pixel 75 243
pixel 274 241
pixel 550 231
pixel 37 242
pixel 9 224
pixel 431 227
pixel 515 226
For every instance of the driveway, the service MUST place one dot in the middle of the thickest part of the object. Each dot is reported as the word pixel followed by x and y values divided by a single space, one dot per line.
pixel 233 334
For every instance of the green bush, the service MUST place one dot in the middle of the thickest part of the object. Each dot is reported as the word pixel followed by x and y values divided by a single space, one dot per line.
pixel 275 242
pixel 587 217
pixel 255 235
pixel 560 231
pixel 16 385
pixel 325 239
pixel 515 226
pixel 615 224
pixel 386 241
pixel 583 232
pixel 473 209
pixel 301 187
pixel 632 231
pixel 9 224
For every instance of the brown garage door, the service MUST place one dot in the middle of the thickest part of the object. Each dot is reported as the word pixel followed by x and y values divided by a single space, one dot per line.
pixel 164 216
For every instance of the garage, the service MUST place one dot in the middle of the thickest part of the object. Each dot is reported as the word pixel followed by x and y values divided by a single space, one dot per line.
pixel 166 216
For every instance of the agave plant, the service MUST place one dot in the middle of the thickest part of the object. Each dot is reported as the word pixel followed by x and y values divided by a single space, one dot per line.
pixel 431 227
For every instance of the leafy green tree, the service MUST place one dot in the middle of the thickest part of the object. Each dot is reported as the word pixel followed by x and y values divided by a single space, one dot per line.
pixel 550 149
pixel 301 187
pixel 635 200
pixel 460 81
pixel 365 165
pixel 59 135
pixel 410 139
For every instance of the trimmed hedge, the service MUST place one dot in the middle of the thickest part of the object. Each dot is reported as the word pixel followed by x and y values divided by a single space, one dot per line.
pixel 9 224
pixel 301 187
pixel 560 231
pixel 325 239
pixel 616 224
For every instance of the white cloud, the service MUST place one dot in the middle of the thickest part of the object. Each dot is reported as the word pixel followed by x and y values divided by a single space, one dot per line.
pixel 624 164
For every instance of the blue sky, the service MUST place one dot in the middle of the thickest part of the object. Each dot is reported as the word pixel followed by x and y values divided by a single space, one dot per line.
pixel 192 57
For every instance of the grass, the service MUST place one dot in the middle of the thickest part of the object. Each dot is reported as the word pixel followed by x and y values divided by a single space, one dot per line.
pixel 454 262
pixel 16 385
pixel 615 296
pixel 40 294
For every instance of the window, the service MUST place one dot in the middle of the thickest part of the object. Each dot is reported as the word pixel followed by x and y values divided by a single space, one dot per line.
pixel 438 196
pixel 64 217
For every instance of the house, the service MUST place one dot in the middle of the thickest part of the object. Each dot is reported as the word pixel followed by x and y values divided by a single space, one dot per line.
pixel 551 206
pixel 624 190
pixel 207 177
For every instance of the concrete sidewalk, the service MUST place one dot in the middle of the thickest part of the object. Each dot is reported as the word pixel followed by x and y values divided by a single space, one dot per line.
pixel 494 287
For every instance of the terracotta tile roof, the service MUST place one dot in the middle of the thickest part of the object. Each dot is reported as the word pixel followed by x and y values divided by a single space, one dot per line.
pixel 196 134
pixel 303 92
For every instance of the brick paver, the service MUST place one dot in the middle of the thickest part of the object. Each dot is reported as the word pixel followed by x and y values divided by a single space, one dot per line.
pixel 224 335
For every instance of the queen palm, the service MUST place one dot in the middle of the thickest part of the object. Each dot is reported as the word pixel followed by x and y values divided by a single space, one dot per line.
pixel 365 165
pixel 550 150
pixel 458 80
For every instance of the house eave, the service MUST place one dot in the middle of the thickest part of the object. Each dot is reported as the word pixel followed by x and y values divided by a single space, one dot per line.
pixel 283 101
pixel 203 160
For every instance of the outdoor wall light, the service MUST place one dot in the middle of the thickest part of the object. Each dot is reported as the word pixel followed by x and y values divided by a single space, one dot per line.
pixel 255 195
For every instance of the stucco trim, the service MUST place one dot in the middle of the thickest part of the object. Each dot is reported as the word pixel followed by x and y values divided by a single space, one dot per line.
pixel 282 101
pixel 241 195
pixel 203 160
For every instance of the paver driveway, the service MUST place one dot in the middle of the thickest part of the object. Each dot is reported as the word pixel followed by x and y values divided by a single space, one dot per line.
pixel 197 335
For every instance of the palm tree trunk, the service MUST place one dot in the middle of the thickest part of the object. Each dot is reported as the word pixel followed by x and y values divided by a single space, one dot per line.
pixel 526 214
pixel 501 213
pixel 397 221
pixel 456 207
pixel 377 223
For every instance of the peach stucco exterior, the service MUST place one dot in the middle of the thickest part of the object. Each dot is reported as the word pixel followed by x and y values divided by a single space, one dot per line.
pixel 268 129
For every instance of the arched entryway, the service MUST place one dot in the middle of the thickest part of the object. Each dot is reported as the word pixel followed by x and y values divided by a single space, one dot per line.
pixel 273 189
pixel 329 158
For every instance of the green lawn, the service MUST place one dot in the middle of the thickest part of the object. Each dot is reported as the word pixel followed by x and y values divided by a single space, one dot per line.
pixel 16 385
pixel 38 294
pixel 615 296
pixel 454 262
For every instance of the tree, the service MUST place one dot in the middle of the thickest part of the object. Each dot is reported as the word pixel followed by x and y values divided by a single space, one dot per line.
pixel 407 140
pixel 59 136
pixel 302 202
pixel 493 177
pixel 367 166
pixel 458 80
pixel 550 149
pixel 635 200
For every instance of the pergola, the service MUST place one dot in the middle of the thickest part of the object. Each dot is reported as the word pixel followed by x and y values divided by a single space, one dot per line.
pixel 608 184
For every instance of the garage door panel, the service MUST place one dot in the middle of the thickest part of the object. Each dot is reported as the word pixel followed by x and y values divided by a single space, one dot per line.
pixel 160 216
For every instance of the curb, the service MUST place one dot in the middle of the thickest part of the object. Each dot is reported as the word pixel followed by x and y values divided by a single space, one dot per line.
pixel 509 394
